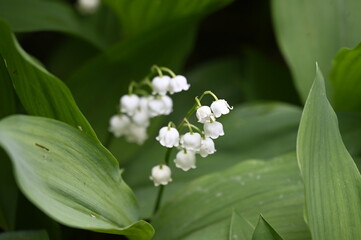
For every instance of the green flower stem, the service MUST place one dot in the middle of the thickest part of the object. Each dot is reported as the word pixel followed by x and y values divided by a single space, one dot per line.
pixel 161 188
pixel 131 87
pixel 189 125
pixel 158 70
pixel 168 71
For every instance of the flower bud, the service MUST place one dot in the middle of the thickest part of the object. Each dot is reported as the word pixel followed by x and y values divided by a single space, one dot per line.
pixel 185 160
pixel 160 85
pixel 204 114
pixel 220 107
pixel 207 147
pixel 161 175
pixel 168 137
pixel 129 104
pixel 213 129
pixel 160 105
pixel 191 141
pixel 119 125
pixel 178 84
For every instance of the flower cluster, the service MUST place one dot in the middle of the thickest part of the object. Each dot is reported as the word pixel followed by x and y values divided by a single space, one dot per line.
pixel 144 101
pixel 193 142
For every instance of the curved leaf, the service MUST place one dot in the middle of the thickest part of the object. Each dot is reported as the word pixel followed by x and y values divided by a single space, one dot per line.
pixel 40 92
pixel 314 30
pixel 70 177
pixel 332 180
pixel 345 78
pixel 201 209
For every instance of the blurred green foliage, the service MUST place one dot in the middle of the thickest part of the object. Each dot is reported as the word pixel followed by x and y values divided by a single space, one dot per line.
pixel 259 55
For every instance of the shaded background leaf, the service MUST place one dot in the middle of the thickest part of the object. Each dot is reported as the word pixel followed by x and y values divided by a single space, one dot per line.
pixel 308 31
pixel 345 78
pixel 51 15
pixel 25 235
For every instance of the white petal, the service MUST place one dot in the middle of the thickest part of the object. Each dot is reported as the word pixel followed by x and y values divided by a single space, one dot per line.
pixel 129 104
pixel 161 175
pixel 160 84
pixel 185 160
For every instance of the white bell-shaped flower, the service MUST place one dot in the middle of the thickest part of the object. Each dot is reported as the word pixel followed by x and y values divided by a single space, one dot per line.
pixel 160 105
pixel 168 137
pixel 191 141
pixel 136 134
pixel 204 114
pixel 185 160
pixel 161 175
pixel 220 107
pixel 119 125
pixel 207 147
pixel 213 129
pixel 160 85
pixel 141 116
pixel 88 6
pixel 177 84
pixel 129 104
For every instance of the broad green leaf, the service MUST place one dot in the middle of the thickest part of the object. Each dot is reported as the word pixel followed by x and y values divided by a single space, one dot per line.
pixel 139 16
pixel 40 92
pixel 345 78
pixel 70 176
pixel 7 100
pixel 240 228
pixel 332 180
pixel 201 209
pixel 49 15
pixel 25 235
pixel 264 231
pixel 314 30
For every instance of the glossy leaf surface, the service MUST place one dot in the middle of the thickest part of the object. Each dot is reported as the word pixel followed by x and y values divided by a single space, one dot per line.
pixel 70 176
pixel 332 180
